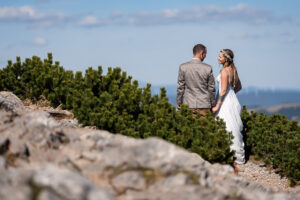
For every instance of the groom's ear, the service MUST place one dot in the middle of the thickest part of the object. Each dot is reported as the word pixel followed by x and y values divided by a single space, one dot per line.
pixel 203 54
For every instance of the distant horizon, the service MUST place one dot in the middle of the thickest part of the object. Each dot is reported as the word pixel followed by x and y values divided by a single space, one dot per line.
pixel 249 88
pixel 143 83
pixel 252 96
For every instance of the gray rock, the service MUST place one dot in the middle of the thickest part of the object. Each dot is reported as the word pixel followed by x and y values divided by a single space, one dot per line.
pixel 67 184
pixel 18 147
pixel 49 182
pixel 279 196
pixel 46 195
pixel 8 192
pixel 129 180
pixel 10 102
pixel 190 192
pixel 71 123
pixel 152 153
pixel 15 177
pixel 101 194
pixel 170 182
pixel 12 145
pixel 4 145
pixel 33 127
pixel 6 118
pixel 38 119
pixel 14 184
pixel 3 163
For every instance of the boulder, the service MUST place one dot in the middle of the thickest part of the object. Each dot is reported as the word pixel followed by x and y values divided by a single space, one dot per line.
pixel 49 182
pixel 3 163
pixel 10 102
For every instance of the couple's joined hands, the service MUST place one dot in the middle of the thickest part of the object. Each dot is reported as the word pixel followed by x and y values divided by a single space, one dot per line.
pixel 215 109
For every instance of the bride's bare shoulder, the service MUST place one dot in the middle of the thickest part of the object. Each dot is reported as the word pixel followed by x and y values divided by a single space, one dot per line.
pixel 223 72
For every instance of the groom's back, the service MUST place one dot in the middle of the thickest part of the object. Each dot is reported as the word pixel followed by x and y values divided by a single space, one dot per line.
pixel 198 84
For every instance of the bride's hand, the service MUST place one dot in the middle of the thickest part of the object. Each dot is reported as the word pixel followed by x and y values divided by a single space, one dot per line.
pixel 215 109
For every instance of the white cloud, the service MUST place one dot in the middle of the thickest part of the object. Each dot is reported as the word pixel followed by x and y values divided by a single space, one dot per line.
pixel 39 41
pixel 199 14
pixel 90 21
pixel 242 13
pixel 21 13
pixel 29 15
pixel 292 40
pixel 170 13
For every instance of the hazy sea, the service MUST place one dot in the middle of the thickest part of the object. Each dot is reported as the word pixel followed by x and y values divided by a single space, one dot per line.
pixel 286 101
pixel 251 97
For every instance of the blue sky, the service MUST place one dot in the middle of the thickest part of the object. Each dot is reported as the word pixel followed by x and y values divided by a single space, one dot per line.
pixel 150 39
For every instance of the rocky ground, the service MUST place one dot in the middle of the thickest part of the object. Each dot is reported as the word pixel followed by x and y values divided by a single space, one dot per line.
pixel 258 172
pixel 45 154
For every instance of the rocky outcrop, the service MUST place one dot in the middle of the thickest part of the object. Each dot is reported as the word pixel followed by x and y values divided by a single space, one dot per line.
pixel 42 158
pixel 10 102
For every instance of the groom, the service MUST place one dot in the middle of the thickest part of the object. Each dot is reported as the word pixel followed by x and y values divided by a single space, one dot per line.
pixel 196 84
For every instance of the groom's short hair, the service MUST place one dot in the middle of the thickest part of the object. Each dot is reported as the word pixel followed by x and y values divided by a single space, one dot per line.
pixel 198 48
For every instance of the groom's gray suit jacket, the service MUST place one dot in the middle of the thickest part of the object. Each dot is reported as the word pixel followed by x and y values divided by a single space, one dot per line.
pixel 196 85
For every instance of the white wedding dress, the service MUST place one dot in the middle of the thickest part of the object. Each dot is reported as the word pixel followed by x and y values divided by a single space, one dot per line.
pixel 230 112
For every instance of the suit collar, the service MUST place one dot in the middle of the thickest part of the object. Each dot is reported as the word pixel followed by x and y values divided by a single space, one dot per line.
pixel 196 60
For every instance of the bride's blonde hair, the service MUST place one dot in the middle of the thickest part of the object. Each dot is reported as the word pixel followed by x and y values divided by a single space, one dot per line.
pixel 228 54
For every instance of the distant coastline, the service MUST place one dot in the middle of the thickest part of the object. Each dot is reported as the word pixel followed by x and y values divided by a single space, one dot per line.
pixel 250 96
pixel 268 101
pixel 291 110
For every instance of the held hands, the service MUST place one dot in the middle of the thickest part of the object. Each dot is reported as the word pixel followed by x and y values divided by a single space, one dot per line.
pixel 216 108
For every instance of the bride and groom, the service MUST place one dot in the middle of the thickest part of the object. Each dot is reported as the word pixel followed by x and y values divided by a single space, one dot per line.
pixel 196 88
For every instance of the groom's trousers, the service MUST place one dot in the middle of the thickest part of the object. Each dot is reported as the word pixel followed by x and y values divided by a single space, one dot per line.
pixel 200 111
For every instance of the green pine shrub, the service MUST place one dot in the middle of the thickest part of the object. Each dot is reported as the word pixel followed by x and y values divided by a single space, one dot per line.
pixel 115 103
pixel 275 140
pixel 35 77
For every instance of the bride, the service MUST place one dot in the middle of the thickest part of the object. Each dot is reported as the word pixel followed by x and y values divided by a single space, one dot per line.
pixel 228 107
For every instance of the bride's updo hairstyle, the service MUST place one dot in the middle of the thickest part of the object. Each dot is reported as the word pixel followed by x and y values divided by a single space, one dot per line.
pixel 228 54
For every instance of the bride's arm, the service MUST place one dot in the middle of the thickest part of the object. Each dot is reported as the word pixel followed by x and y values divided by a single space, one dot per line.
pixel 224 82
